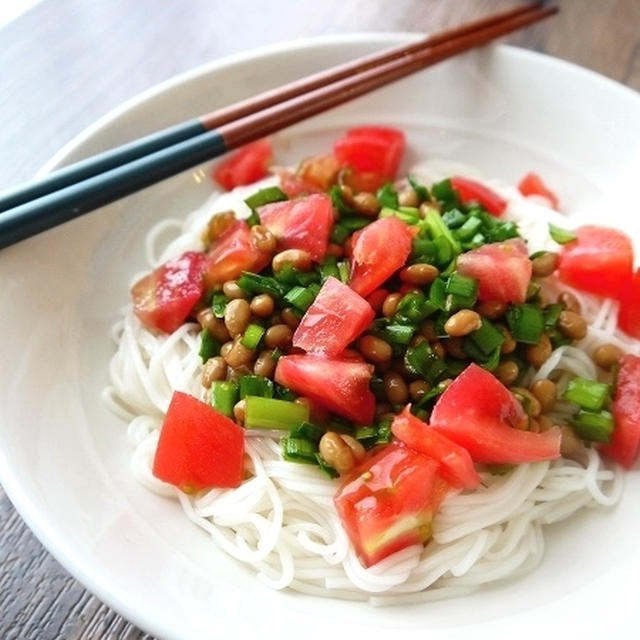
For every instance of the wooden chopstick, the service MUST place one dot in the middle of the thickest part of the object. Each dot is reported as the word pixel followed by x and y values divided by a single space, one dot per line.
pixel 172 135
pixel 95 182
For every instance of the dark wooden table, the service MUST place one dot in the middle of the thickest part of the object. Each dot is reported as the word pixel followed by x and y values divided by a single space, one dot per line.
pixel 67 62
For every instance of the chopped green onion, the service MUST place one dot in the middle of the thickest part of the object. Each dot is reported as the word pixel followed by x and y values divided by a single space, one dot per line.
pixel 308 431
pixel 398 333
pixel 223 396
pixel 270 413
pixel 300 297
pixel 461 292
pixel 219 304
pixel 265 196
pixel 487 338
pixel 252 335
pixel 337 199
pixel 551 313
pixel 438 293
pixel 281 392
pixel 388 196
pixel 255 385
pixel 383 427
pixel 438 229
pixel 299 450
pixel 326 467
pixel 410 215
pixel 443 191
pixel 253 219
pixel 414 307
pixel 254 283
pixel 560 235
pixel 592 425
pixel 366 432
pixel 339 233
pixel 525 322
pixel 469 229
pixel 209 346
pixel 423 360
pixel 454 218
pixel 353 223
pixel 344 270
pixel 588 394
pixel 420 189
pixel 329 267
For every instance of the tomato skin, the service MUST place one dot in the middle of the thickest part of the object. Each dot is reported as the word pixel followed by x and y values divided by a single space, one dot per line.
pixel 336 317
pixel 232 253
pixel 245 165
pixel 455 463
pixel 502 269
pixel 339 385
pixel 479 413
pixel 198 447
pixel 629 311
pixel 373 152
pixel 377 252
pixel 472 190
pixel 599 261
pixel 531 184
pixel 164 298
pixel 387 503
pixel 625 440
pixel 302 223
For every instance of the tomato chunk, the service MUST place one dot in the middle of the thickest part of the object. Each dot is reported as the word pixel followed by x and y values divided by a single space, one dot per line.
pixel 377 252
pixel 531 184
pixel 502 269
pixel 232 253
pixel 303 223
pixel 625 440
pixel 629 311
pixel 600 261
pixel 198 447
pixel 336 317
pixel 373 152
pixel 164 298
pixel 473 191
pixel 339 385
pixel 388 502
pixel 479 413
pixel 245 165
pixel 456 465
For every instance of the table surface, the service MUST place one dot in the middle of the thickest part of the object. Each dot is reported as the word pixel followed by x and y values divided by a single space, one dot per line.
pixel 76 60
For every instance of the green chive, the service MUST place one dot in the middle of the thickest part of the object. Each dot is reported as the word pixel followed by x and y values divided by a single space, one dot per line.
pixel 525 322
pixel 252 335
pixel 255 385
pixel 300 297
pixel 420 189
pixel 254 283
pixel 588 394
pixel 308 431
pixel 339 233
pixel 326 467
pixel 423 360
pixel 593 425
pixel 209 346
pixel 270 413
pixel 223 396
pixel 443 191
pixel 266 196
pixel 410 215
pixel 560 235
pixel 299 450
pixel 219 304
pixel 344 270
pixel 388 196
pixel 487 338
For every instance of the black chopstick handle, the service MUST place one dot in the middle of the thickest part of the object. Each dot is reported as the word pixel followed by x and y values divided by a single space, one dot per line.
pixel 100 163
pixel 76 199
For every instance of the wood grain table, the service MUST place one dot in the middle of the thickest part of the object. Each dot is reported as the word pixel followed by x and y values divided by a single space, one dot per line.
pixel 65 63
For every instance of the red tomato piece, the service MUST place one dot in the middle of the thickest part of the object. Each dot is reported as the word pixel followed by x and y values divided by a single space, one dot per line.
pixel 372 151
pixel 164 298
pixel 625 440
pixel 456 465
pixel 245 165
pixel 388 502
pixel 232 253
pixel 199 447
pixel 502 269
pixel 336 317
pixel 377 252
pixel 473 191
pixel 479 413
pixel 531 184
pixel 629 311
pixel 303 223
pixel 600 261
pixel 339 385
pixel 377 298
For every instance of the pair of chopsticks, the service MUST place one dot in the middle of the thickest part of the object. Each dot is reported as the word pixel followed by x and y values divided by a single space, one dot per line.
pixel 81 187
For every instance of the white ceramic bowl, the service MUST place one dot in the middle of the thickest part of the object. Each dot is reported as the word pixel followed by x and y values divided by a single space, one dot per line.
pixel 64 459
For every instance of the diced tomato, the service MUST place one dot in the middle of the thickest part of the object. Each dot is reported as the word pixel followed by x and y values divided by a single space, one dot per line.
pixel 629 311
pixel 502 269
pixel 336 317
pixel 199 447
pixel 625 440
pixel 474 191
pixel 479 413
pixel 340 385
pixel 232 253
pixel 388 502
pixel 531 184
pixel 600 261
pixel 303 223
pixel 378 251
pixel 377 298
pixel 374 153
pixel 245 165
pixel 164 298
pixel 456 465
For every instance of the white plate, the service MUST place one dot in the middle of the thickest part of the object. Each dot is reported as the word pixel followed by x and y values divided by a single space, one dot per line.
pixel 64 459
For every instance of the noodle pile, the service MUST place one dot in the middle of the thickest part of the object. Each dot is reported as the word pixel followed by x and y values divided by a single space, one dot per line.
pixel 282 520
